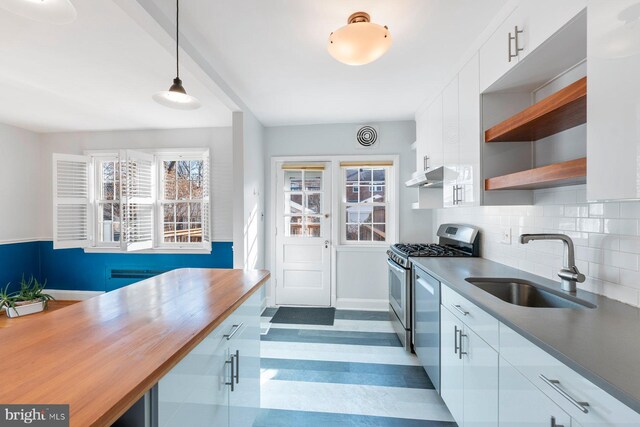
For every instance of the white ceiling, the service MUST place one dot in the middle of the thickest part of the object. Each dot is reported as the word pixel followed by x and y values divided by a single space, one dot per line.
pixel 97 73
pixel 273 54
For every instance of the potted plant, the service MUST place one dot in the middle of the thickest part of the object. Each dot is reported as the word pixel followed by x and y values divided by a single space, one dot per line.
pixel 28 300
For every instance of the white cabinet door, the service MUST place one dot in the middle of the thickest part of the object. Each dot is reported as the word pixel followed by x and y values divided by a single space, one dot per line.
pixel 539 25
pixel 498 54
pixel 613 106
pixel 194 392
pixel 244 346
pixel 451 365
pixel 421 139
pixel 451 143
pixel 522 404
pixel 433 148
pixel 480 381
pixel 469 180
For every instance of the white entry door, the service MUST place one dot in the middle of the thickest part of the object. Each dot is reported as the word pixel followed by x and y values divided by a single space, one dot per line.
pixel 303 230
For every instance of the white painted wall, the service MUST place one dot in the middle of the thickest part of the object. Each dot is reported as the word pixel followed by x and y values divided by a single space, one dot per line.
pixel 354 288
pixel 20 193
pixel 248 184
pixel 218 140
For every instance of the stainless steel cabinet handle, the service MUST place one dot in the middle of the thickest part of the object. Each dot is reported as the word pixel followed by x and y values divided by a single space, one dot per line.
pixel 455 339
pixel 509 40
pixel 237 357
pixel 460 310
pixel 461 352
pixel 425 161
pixel 517 41
pixel 458 192
pixel 553 423
pixel 555 384
pixel 230 362
pixel 234 330
pixel 454 194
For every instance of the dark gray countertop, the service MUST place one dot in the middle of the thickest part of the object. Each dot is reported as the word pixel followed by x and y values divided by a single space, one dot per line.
pixel 602 344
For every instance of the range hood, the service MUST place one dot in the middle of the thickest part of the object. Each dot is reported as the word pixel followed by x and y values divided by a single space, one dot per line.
pixel 431 178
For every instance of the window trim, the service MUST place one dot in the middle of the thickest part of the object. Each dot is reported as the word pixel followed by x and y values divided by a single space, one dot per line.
pixel 158 247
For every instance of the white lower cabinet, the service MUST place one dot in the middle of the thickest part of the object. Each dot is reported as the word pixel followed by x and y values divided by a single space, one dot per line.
pixel 522 404
pixel 469 376
pixel 451 365
pixel 513 382
pixel 218 382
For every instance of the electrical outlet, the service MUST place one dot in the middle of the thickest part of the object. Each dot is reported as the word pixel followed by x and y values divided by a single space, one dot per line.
pixel 506 236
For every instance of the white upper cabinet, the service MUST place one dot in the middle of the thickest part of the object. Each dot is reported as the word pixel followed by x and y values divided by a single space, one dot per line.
pixel 503 50
pixel 469 180
pixel 531 24
pixel 433 146
pixel 542 18
pixel 451 143
pixel 421 140
pixel 613 106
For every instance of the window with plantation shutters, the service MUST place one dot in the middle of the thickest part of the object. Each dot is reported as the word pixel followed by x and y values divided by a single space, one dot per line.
pixel 71 202
pixel 137 190
pixel 131 201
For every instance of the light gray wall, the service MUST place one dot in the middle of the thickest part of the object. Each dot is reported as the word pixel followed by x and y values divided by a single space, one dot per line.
pixel 354 290
pixel 218 140
pixel 20 191
pixel 248 184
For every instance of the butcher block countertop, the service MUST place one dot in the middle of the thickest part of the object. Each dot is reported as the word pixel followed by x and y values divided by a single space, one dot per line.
pixel 103 354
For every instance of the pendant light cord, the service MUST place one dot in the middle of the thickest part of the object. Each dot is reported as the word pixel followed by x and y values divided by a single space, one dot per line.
pixel 177 38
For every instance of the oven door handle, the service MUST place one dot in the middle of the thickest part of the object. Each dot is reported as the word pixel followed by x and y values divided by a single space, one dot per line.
pixel 394 267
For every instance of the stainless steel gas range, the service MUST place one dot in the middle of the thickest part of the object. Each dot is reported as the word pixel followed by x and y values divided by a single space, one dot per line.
pixel 455 240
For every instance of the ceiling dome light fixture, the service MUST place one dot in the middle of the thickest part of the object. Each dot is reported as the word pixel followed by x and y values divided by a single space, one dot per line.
pixel 360 41
pixel 50 11
pixel 176 97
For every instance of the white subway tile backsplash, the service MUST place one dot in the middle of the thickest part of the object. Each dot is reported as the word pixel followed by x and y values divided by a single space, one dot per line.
pixel 630 210
pixel 627 227
pixel 629 244
pixel 604 272
pixel 605 235
pixel 590 225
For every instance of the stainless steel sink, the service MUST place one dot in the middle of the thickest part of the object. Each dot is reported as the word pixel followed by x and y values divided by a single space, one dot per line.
pixel 527 294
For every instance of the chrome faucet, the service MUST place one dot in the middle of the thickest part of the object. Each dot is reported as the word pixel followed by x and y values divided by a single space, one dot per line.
pixel 569 275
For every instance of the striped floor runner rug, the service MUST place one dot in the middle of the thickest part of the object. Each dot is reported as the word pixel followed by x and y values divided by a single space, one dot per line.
pixel 354 373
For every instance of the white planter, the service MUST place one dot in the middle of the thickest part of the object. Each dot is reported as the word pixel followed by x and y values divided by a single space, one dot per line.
pixel 23 310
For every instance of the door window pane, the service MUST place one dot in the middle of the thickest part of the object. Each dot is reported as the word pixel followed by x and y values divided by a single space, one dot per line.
pixel 303 203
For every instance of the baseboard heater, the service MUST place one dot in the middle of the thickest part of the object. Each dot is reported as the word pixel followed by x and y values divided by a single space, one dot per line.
pixel 134 273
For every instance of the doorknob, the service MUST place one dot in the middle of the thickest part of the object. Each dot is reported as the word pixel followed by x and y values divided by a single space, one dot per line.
pixel 326 244
pixel 326 215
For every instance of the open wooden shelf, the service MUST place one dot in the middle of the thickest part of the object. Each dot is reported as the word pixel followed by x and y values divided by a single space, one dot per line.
pixel 563 110
pixel 572 172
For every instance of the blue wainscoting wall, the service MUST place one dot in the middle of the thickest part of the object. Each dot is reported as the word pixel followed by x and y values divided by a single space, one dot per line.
pixel 17 259
pixel 73 269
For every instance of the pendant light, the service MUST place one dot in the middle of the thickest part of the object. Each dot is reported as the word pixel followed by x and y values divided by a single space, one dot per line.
pixel 360 41
pixel 50 11
pixel 176 96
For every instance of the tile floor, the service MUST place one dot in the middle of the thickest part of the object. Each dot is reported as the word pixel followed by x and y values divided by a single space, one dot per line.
pixel 354 373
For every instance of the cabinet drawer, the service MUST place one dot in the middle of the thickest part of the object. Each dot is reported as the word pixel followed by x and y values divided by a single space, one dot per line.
pixel 471 315
pixel 563 385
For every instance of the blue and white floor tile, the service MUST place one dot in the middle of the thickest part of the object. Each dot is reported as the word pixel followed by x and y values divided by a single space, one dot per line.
pixel 354 373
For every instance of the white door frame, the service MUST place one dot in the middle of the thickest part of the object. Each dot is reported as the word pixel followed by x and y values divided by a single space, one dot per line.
pixel 336 191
